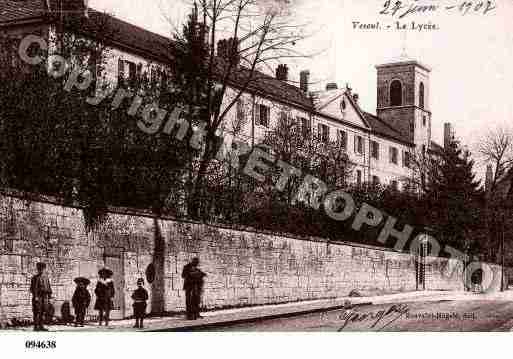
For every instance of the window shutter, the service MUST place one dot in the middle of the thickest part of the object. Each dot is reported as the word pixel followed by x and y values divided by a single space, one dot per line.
pixel 257 114
pixel 121 70
pixel 363 145
pixel 390 154
pixel 139 71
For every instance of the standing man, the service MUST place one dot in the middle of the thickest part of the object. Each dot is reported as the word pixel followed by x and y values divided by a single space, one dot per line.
pixel 193 285
pixel 41 294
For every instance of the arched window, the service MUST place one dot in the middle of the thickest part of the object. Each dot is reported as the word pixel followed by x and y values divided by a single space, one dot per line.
pixel 396 93
pixel 421 95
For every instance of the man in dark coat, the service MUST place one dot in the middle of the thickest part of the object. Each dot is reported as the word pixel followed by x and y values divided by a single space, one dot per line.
pixel 193 285
pixel 41 294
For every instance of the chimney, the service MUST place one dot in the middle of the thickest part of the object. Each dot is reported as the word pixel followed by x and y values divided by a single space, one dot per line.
pixel 331 86
pixel 448 135
pixel 282 72
pixel 86 8
pixel 488 179
pixel 304 79
pixel 356 97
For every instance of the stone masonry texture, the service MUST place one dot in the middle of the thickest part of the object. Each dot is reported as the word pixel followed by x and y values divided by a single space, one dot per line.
pixel 243 267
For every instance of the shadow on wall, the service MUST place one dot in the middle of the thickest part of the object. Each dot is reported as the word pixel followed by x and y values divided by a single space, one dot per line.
pixel 156 269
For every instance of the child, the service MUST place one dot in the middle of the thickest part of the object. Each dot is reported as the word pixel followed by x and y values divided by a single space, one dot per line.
pixel 140 296
pixel 81 300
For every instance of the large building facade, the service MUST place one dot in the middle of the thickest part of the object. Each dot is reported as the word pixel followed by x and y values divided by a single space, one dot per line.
pixel 380 145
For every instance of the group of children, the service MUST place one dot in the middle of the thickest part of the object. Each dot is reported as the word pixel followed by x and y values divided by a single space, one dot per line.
pixel 82 298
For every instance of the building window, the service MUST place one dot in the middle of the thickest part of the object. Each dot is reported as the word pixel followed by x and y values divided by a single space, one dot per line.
pixel 424 150
pixel 324 132
pixel 406 159
pixel 305 126
pixel 421 95
pixel 358 145
pixel 396 93
pixel 127 72
pixel 395 185
pixel 263 115
pixel 375 150
pixel 393 155
pixel 375 180
pixel 342 139
pixel 240 111
pixel 424 121
pixel 358 177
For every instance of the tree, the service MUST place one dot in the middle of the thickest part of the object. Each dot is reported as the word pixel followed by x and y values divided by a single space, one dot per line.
pixel 496 148
pixel 308 153
pixel 56 143
pixel 260 32
pixel 453 197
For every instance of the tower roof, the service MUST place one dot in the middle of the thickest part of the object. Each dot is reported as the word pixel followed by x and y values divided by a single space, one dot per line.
pixel 403 60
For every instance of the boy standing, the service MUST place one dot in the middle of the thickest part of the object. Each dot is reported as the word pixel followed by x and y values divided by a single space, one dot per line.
pixel 140 296
pixel 81 300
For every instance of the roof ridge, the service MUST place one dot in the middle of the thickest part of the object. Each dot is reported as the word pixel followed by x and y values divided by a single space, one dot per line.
pixel 128 23
pixel 383 122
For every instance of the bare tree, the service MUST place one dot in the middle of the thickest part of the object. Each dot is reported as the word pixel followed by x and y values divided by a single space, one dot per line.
pixel 496 148
pixel 260 33
pixel 310 154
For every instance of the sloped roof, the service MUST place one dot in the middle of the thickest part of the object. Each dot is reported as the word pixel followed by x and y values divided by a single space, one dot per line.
pixel 435 147
pixel 20 10
pixel 116 31
pixel 136 39
pixel 133 38
pixel 267 85
pixel 380 127
pixel 123 34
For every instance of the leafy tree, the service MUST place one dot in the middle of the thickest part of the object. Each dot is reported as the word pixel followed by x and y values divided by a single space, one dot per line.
pixel 453 198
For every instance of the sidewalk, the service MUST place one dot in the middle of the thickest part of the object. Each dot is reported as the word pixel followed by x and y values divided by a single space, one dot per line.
pixel 218 318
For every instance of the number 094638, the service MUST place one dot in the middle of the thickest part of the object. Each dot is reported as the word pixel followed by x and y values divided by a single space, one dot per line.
pixel 36 344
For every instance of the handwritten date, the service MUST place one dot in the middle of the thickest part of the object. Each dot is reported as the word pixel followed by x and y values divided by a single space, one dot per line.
pixel 401 9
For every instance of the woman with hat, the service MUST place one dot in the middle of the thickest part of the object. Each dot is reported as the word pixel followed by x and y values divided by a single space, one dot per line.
pixel 104 293
pixel 81 300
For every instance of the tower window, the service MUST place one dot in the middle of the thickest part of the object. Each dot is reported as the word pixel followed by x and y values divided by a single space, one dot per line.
pixel 421 95
pixel 396 93
pixel 424 121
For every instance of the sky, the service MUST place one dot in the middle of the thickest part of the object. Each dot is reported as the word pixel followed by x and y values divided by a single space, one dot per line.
pixel 470 55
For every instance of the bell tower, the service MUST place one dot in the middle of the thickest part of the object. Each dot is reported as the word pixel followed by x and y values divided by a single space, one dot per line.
pixel 403 99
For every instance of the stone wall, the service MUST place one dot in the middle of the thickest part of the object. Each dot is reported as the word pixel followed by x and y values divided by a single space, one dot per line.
pixel 243 267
